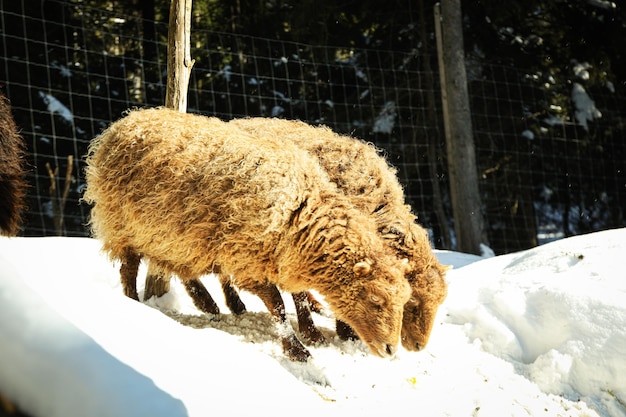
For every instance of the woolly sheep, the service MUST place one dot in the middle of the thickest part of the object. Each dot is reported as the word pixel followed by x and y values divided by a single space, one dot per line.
pixel 364 175
pixel 192 194
pixel 12 172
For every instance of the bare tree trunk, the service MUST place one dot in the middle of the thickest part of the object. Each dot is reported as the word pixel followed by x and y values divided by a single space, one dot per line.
pixel 179 65
pixel 179 60
pixel 466 204
pixel 431 121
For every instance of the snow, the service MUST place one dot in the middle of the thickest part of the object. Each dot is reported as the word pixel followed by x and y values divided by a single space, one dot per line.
pixel 610 86
pixel 277 111
pixel 581 70
pixel 602 4
pixel 586 110
pixel 54 106
pixel 535 333
pixel 226 72
pixel 385 121
pixel 528 134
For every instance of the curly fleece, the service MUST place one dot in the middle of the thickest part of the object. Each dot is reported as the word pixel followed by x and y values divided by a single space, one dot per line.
pixel 194 193
pixel 13 184
pixel 364 175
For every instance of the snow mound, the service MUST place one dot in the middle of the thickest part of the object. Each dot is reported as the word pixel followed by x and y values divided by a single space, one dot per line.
pixel 538 333
pixel 556 312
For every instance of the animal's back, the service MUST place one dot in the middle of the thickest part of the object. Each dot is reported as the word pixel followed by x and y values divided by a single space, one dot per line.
pixel 356 167
pixel 190 191
pixel 361 173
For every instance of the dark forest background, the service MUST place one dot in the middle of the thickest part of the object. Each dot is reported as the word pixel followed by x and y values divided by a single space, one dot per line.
pixel 544 174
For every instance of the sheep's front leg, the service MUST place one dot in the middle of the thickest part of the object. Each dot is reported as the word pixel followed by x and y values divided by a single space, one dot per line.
pixel 309 332
pixel 274 302
pixel 315 305
pixel 345 332
pixel 200 296
pixel 128 273
pixel 233 301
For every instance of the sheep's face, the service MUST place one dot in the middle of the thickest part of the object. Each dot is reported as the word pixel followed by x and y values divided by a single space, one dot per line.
pixel 375 312
pixel 427 294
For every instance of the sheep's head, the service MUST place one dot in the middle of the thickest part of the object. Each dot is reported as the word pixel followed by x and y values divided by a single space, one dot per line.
pixel 426 278
pixel 373 305
pixel 428 291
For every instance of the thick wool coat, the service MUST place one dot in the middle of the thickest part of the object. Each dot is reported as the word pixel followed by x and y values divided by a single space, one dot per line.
pixel 194 194
pixel 13 185
pixel 361 172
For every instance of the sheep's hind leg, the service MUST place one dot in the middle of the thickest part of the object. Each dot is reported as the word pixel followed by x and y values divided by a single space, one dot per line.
pixel 309 332
pixel 200 296
pixel 157 282
pixel 274 302
pixel 128 273
pixel 233 301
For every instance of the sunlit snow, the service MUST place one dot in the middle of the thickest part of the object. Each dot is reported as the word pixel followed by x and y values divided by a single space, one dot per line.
pixel 586 110
pixel 56 107
pixel 534 333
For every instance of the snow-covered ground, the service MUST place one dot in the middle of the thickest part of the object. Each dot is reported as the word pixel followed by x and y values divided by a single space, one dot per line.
pixel 535 333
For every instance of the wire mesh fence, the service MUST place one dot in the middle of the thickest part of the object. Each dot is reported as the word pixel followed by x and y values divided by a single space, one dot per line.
pixel 69 70
pixel 547 173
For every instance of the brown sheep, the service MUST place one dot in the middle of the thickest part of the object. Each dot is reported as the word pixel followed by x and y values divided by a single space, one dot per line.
pixel 193 193
pixel 12 172
pixel 372 184
pixel 364 175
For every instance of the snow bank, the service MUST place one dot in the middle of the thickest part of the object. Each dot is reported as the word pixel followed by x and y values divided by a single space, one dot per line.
pixel 51 368
pixel 78 347
pixel 536 333
pixel 556 312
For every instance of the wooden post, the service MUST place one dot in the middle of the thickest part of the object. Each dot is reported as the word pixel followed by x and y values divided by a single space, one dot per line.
pixel 179 64
pixel 441 228
pixel 466 204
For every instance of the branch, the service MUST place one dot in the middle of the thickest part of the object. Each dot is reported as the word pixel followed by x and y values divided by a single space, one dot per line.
pixel 58 201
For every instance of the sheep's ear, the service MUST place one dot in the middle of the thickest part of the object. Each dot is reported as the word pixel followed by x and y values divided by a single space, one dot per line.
pixel 362 268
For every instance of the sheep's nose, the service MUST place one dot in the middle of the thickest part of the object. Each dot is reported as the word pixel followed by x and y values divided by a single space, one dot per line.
pixel 418 347
pixel 391 349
